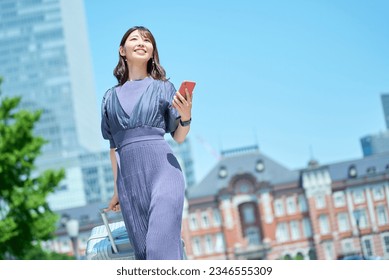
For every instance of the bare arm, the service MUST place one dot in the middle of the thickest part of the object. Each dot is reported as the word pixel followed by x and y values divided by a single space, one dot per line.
pixel 114 203
pixel 184 108
pixel 180 133
pixel 114 168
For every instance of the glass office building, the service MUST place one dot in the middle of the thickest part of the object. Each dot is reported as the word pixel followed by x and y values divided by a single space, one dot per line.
pixel 385 106
pixel 45 58
pixel 375 144
pixel 378 143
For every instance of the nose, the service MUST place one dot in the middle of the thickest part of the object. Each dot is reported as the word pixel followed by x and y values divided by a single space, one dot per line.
pixel 141 44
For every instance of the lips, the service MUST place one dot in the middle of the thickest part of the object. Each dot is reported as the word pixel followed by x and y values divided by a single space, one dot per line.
pixel 140 50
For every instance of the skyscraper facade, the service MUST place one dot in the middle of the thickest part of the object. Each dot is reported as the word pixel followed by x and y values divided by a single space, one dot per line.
pixel 45 59
pixel 385 106
pixel 375 144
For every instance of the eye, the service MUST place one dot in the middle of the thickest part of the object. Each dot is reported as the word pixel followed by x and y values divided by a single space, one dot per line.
pixel 147 40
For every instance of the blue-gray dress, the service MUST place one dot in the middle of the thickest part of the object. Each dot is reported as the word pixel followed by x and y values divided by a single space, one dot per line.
pixel 150 182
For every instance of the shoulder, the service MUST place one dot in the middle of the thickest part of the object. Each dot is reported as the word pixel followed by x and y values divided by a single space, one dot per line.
pixel 168 86
pixel 108 93
pixel 106 97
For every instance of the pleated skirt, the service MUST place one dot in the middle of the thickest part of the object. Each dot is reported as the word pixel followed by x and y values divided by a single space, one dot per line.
pixel 151 191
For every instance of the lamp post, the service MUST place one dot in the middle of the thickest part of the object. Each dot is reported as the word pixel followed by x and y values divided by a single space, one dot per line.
pixel 357 217
pixel 72 228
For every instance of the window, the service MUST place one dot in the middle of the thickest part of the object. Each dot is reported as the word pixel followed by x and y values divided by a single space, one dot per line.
pixel 208 244
pixel 347 247
pixel 290 205
pixel 371 170
pixel 252 235
pixel 279 207
pixel 361 218
pixel 339 199
pixel 385 241
pixel 219 246
pixel 302 203
pixel 382 215
pixel 295 230
pixel 196 245
pixel 282 233
pixel 352 171
pixel 324 224
pixel 307 227
pixel 320 201
pixel 367 247
pixel 248 213
pixel 343 222
pixel 204 220
pixel 193 222
pixel 328 250
pixel 378 193
pixel 359 196
pixel 216 217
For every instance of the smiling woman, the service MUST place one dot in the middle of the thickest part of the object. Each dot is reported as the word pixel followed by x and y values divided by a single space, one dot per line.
pixel 138 49
pixel 136 113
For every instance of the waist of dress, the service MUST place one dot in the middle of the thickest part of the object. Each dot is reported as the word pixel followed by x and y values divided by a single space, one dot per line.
pixel 138 134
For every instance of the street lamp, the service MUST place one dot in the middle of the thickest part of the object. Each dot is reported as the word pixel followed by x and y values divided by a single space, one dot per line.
pixel 72 228
pixel 357 217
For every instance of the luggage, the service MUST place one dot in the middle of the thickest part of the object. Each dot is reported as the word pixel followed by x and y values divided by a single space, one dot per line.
pixel 110 241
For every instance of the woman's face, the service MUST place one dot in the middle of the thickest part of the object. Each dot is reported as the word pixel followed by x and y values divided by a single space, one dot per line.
pixel 137 48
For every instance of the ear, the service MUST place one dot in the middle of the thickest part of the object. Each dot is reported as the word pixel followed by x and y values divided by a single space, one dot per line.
pixel 121 51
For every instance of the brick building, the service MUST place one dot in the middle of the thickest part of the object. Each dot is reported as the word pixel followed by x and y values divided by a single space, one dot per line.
pixel 251 207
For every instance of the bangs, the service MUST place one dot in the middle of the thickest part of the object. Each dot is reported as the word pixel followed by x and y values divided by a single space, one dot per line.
pixel 146 34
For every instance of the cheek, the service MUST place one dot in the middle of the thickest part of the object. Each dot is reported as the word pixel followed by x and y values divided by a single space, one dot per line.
pixel 150 48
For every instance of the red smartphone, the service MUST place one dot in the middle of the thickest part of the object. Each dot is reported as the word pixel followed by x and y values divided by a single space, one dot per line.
pixel 188 85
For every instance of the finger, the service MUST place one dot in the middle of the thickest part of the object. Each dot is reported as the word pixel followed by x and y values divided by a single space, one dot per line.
pixel 180 96
pixel 178 101
pixel 189 97
pixel 188 100
pixel 183 100
pixel 177 104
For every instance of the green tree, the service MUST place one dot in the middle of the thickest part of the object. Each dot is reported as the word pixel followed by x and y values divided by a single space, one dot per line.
pixel 25 216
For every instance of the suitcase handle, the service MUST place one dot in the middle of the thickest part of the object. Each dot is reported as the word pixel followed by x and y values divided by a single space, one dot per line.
pixel 105 220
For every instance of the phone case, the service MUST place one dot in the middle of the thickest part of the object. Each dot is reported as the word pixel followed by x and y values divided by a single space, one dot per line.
pixel 187 84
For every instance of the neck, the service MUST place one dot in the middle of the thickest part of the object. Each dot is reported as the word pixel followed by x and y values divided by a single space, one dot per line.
pixel 137 73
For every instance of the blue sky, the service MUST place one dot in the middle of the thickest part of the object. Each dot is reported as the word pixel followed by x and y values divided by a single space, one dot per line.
pixel 295 77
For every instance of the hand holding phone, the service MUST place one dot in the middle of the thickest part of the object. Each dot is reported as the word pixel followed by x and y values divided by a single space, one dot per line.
pixel 189 85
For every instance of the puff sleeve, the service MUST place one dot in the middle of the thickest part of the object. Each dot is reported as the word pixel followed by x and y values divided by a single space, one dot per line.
pixel 172 117
pixel 105 128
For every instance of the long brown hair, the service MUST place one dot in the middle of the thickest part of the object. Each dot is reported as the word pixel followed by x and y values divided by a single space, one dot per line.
pixel 154 69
